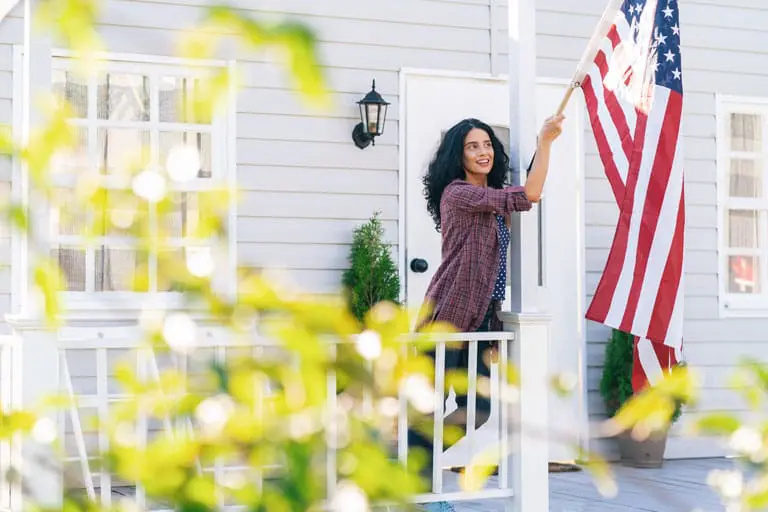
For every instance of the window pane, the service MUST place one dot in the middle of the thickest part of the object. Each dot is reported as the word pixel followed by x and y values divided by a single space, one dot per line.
pixel 743 228
pixel 183 217
pixel 201 141
pixel 73 90
pixel 744 275
pixel 122 149
pixel 165 278
pixel 72 264
pixel 64 219
pixel 122 213
pixel 746 132
pixel 74 159
pixel 120 270
pixel 123 97
pixel 177 96
pixel 746 178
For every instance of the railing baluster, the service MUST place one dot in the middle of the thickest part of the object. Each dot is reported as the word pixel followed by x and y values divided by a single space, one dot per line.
pixel 220 355
pixel 472 394
pixel 102 392
pixel 504 410
pixel 142 358
pixel 258 354
pixel 437 445
pixel 402 419
pixel 331 441
pixel 77 428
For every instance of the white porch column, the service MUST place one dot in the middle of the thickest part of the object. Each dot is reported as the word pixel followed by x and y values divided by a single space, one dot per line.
pixel 37 88
pixel 529 414
pixel 36 364
pixel 35 378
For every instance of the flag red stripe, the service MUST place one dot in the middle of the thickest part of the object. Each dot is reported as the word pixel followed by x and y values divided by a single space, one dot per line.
pixel 670 281
pixel 639 380
pixel 603 147
pixel 601 302
pixel 654 198
pixel 614 108
pixel 613 35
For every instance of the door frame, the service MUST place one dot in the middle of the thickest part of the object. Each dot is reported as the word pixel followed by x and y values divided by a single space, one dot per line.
pixel 583 433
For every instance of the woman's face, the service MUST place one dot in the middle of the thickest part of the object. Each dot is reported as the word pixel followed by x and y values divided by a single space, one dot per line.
pixel 478 153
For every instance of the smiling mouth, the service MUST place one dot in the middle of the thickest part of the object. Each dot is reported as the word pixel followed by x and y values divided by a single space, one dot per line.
pixel 483 162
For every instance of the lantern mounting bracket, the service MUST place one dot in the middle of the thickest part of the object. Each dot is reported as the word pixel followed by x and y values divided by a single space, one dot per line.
pixel 361 138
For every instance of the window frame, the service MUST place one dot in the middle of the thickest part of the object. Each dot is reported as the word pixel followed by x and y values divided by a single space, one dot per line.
pixel 740 305
pixel 223 175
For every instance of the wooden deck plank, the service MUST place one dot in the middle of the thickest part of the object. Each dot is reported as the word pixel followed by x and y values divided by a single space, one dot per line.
pixel 679 486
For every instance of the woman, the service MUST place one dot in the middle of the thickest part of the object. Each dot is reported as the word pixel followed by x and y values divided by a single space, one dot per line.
pixel 467 198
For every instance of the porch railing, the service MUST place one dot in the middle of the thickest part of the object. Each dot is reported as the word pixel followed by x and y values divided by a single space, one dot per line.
pixel 87 356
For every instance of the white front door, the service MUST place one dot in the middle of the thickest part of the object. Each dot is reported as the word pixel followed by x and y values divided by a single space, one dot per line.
pixel 432 105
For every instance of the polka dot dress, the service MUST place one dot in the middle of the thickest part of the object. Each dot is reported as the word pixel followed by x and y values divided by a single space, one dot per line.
pixel 501 278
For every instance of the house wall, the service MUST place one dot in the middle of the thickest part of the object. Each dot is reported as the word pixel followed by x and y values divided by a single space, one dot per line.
pixel 11 33
pixel 306 186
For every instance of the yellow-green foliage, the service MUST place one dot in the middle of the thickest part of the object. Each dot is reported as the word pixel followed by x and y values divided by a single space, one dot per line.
pixel 281 435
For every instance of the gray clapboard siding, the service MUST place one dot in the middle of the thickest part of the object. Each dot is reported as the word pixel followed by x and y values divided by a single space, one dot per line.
pixel 285 102
pixel 270 127
pixel 438 13
pixel 308 179
pixel 11 33
pixel 308 231
pixel 314 206
pixel 11 30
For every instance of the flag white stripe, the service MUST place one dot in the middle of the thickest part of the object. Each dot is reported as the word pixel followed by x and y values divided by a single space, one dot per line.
pixel 650 143
pixel 622 27
pixel 674 336
pixel 648 360
pixel 609 128
pixel 660 247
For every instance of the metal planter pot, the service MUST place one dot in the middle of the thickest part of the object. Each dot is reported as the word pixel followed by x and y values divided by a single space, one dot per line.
pixel 642 454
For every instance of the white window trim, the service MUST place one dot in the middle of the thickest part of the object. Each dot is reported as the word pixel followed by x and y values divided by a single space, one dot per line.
pixel 117 305
pixel 737 305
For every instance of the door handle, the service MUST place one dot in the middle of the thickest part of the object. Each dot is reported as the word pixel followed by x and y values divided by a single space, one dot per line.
pixel 419 265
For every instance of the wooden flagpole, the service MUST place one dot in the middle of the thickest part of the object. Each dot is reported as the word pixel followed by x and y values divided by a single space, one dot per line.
pixel 606 21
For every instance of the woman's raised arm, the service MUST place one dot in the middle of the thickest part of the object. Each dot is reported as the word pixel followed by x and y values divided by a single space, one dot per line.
pixel 466 196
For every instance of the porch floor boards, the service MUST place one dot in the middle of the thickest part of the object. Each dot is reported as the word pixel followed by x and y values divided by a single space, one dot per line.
pixel 679 486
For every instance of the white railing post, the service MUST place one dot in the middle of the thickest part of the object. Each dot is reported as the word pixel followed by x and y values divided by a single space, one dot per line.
pixel 529 411
pixel 36 378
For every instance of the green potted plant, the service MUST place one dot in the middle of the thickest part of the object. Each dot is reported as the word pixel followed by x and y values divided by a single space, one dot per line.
pixel 372 276
pixel 616 389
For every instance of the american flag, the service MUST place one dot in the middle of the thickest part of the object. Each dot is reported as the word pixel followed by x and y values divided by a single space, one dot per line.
pixel 631 78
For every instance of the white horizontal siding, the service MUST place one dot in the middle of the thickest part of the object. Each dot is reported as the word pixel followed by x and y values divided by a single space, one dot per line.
pixel 11 33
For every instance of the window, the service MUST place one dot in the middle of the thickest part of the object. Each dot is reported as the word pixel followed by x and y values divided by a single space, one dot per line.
pixel 135 128
pixel 743 206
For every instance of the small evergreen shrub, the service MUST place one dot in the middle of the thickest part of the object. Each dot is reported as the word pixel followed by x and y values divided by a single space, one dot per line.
pixel 616 381
pixel 373 275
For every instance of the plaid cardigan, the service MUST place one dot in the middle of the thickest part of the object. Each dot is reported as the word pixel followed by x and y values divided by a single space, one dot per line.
pixel 460 291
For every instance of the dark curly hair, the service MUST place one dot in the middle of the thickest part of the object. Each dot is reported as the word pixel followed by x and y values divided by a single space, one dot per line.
pixel 448 164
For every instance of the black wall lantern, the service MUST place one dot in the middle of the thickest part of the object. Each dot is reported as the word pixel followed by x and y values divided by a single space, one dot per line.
pixel 373 113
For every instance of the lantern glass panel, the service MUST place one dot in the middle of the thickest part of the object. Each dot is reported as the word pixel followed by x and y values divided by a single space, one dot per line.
pixel 382 118
pixel 372 119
